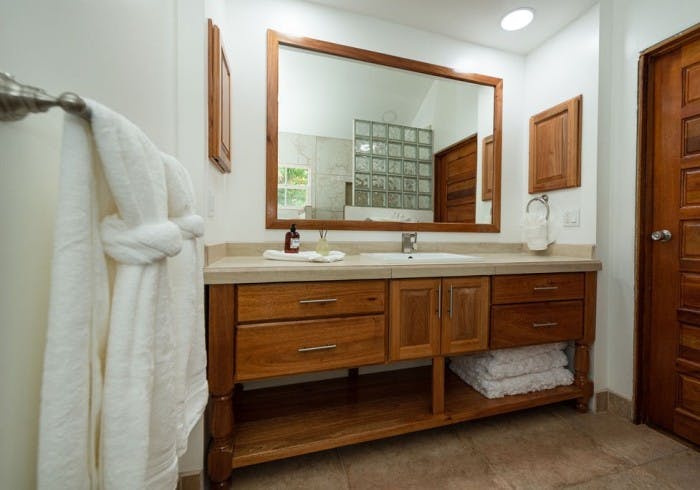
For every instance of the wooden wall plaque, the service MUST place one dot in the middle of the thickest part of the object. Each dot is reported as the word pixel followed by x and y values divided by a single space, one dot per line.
pixel 555 147
pixel 219 102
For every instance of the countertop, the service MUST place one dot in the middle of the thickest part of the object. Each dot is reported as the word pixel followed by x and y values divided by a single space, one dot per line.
pixel 256 269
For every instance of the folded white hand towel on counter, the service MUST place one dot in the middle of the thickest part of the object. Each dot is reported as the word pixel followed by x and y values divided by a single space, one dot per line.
pixel 517 384
pixel 488 368
pixel 333 256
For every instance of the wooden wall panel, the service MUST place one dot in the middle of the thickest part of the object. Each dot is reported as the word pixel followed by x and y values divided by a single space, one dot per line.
pixel 690 290
pixel 690 195
pixel 691 84
pixel 691 136
pixel 555 147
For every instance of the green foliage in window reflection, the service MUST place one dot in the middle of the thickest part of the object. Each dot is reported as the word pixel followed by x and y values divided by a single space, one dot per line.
pixel 292 186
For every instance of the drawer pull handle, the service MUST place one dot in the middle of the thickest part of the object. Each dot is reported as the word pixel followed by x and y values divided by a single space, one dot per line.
pixel 544 324
pixel 324 300
pixel 320 347
pixel 545 288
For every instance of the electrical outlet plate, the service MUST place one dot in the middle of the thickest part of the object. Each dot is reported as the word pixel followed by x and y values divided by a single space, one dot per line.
pixel 572 218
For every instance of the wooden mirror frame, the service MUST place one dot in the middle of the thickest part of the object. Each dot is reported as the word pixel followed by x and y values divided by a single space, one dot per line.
pixel 275 39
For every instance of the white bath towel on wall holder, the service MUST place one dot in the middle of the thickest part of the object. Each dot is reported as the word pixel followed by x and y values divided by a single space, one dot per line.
pixel 124 428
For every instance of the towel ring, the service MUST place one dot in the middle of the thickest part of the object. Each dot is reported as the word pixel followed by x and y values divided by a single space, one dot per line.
pixel 544 199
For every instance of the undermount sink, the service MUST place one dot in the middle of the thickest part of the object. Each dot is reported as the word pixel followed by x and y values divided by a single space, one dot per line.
pixel 402 258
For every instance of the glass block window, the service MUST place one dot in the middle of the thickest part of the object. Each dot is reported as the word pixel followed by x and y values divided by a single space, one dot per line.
pixel 293 187
pixel 393 166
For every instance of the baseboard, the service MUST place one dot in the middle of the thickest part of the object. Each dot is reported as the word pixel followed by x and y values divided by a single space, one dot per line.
pixel 190 481
pixel 611 402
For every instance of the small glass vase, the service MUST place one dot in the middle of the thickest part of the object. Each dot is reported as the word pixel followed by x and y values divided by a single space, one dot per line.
pixel 322 247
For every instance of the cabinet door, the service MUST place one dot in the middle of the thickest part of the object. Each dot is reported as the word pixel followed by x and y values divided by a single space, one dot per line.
pixel 465 319
pixel 415 325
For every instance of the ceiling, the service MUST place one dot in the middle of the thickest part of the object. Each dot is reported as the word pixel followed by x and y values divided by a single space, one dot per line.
pixel 474 21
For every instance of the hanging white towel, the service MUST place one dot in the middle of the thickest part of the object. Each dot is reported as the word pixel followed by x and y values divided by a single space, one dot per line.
pixel 535 231
pixel 187 293
pixel 71 391
pixel 123 430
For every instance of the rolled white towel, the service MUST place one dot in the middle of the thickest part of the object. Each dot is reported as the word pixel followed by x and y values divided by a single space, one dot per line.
pixel 488 368
pixel 517 384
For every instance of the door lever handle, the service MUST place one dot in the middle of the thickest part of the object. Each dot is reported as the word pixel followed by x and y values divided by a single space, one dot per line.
pixel 661 235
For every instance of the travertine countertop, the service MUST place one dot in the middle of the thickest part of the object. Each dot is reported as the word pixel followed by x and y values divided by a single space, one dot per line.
pixel 255 269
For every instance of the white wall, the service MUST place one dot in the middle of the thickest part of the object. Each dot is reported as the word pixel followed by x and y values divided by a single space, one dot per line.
pixel 629 27
pixel 125 55
pixel 240 201
pixel 565 66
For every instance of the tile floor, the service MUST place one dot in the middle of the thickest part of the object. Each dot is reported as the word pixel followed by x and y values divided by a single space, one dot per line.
pixel 547 447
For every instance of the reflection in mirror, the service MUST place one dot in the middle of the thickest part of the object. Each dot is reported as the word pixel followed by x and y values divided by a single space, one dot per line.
pixel 361 142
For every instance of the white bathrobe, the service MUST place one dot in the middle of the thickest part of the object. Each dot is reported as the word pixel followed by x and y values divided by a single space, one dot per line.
pixel 121 392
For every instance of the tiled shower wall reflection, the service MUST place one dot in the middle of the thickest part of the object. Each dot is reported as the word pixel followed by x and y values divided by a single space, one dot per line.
pixel 329 161
pixel 393 166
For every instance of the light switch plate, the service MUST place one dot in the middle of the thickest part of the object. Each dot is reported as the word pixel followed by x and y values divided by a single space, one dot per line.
pixel 572 218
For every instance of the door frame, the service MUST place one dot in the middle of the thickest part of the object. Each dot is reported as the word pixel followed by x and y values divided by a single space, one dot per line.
pixel 644 213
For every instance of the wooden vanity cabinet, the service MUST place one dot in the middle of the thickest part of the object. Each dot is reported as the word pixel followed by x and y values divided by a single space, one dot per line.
pixel 431 317
pixel 257 331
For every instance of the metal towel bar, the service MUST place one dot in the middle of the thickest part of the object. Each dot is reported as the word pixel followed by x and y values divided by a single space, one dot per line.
pixel 17 100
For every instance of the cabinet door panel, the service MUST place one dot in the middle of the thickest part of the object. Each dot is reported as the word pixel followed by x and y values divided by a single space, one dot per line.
pixel 465 324
pixel 415 326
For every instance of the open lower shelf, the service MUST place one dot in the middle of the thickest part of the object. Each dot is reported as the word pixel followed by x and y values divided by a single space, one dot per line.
pixel 284 421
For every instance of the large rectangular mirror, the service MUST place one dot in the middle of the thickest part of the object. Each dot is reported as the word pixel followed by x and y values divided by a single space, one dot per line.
pixel 367 141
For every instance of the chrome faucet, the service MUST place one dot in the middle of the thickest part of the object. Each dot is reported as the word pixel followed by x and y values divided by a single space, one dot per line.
pixel 409 242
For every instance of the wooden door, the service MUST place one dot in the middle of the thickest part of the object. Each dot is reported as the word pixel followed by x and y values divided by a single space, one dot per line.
pixel 465 322
pixel 672 373
pixel 487 169
pixel 415 318
pixel 455 182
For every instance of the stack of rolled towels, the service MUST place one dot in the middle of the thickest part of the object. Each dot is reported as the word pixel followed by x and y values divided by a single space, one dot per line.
pixel 514 371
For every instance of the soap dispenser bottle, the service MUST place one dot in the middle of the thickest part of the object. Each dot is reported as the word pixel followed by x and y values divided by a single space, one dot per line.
pixel 292 240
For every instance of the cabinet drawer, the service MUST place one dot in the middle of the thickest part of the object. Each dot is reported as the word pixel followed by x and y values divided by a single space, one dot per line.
pixel 524 288
pixel 275 349
pixel 536 323
pixel 289 301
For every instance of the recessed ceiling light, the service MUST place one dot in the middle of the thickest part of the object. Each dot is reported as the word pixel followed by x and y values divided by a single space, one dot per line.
pixel 517 19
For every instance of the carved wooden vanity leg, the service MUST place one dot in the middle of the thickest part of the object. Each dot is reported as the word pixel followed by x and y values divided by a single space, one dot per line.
pixel 438 385
pixel 582 365
pixel 582 358
pixel 220 375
